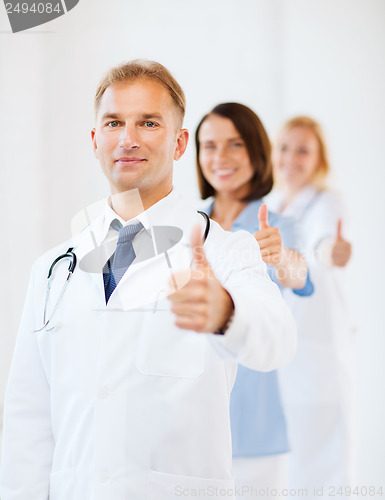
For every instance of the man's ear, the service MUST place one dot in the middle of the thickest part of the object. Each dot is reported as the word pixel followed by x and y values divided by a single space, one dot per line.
pixel 181 143
pixel 94 144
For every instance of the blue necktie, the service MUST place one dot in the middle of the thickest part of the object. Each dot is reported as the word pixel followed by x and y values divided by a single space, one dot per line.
pixel 122 258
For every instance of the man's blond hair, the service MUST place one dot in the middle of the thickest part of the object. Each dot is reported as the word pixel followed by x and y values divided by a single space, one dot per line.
pixel 137 69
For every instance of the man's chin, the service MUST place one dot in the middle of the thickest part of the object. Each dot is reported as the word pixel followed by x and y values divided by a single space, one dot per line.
pixel 125 183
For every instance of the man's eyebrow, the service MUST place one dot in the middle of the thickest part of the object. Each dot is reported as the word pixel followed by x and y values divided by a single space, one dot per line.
pixel 156 116
pixel 145 116
pixel 110 116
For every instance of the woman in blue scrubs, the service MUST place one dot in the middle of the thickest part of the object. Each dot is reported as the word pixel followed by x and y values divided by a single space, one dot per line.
pixel 235 173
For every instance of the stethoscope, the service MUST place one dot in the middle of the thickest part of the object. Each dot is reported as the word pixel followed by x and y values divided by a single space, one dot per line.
pixel 70 255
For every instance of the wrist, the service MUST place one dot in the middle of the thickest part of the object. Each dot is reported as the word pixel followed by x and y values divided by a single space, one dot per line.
pixel 229 318
pixel 282 263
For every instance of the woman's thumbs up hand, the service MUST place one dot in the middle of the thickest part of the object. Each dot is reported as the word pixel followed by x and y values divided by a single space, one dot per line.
pixel 262 216
pixel 269 240
pixel 342 249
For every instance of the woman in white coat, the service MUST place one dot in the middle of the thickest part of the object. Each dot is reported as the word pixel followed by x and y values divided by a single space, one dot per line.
pixel 317 385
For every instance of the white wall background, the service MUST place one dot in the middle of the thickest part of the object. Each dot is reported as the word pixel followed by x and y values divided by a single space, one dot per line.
pixel 281 57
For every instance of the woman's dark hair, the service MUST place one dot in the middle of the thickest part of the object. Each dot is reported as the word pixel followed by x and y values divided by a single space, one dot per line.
pixel 257 144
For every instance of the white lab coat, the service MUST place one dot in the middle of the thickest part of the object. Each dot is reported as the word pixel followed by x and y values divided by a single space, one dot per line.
pixel 118 403
pixel 317 384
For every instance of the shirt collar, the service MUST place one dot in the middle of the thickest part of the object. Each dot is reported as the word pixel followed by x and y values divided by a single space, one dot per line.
pixel 154 215
pixel 249 216
pixel 301 201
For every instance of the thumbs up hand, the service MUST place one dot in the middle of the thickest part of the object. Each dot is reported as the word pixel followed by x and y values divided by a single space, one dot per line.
pixel 269 240
pixel 202 304
pixel 342 249
pixel 262 216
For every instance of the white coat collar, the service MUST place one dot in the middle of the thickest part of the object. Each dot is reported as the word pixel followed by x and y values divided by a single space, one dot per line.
pixel 95 243
pixel 298 206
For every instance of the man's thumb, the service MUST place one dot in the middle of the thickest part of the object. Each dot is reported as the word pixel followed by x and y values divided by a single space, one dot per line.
pixel 199 257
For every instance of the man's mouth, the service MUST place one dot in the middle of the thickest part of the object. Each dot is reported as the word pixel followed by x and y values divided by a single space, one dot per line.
pixel 130 160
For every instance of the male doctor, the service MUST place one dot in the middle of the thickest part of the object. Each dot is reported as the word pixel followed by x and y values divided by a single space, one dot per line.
pixel 124 394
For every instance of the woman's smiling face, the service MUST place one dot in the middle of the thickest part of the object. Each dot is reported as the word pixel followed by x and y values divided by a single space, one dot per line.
pixel 223 156
pixel 296 157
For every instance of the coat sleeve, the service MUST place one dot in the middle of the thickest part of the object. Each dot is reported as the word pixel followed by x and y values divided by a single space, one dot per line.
pixel 289 229
pixel 27 439
pixel 262 335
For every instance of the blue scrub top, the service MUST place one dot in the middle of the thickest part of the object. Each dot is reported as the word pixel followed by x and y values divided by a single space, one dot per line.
pixel 258 425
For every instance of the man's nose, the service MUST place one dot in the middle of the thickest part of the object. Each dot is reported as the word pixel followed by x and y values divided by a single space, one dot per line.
pixel 129 138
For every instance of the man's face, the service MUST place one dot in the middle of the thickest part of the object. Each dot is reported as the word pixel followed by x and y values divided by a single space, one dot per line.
pixel 136 138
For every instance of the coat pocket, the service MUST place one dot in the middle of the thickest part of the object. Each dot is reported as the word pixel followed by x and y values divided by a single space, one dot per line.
pixel 165 486
pixel 165 350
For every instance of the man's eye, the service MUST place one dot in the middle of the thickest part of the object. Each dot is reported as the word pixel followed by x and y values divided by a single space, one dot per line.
pixel 149 124
pixel 113 124
pixel 208 147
